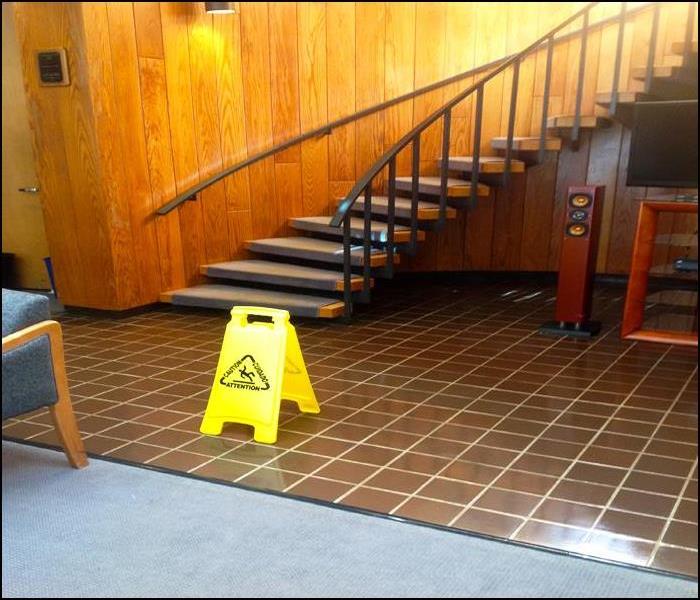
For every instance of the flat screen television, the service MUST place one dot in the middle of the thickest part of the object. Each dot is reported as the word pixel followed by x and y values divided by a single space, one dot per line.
pixel 664 144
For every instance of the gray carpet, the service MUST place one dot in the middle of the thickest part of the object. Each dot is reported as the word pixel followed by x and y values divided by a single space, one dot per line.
pixel 118 531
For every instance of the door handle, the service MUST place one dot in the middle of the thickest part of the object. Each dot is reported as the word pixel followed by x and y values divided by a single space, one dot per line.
pixel 29 190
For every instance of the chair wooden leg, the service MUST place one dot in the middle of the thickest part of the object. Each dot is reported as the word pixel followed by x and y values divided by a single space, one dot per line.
pixel 62 412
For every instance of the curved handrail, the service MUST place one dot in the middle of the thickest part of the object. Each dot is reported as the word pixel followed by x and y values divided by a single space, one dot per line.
pixel 328 127
pixel 320 131
pixel 345 206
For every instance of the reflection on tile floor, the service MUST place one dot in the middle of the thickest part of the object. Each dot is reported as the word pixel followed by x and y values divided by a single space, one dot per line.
pixel 439 403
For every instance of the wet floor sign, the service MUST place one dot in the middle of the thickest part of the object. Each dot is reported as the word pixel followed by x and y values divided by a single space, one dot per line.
pixel 260 364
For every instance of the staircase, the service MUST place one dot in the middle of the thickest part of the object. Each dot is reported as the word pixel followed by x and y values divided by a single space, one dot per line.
pixel 333 262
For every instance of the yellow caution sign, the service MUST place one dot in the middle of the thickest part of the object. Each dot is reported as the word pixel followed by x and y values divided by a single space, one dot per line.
pixel 260 363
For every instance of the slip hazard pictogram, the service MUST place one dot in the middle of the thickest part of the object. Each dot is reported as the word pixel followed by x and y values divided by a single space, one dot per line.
pixel 245 374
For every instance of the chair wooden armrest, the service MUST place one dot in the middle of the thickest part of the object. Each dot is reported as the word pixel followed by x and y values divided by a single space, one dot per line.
pixel 61 412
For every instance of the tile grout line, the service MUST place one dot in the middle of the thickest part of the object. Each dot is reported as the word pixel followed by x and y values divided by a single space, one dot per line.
pixel 503 418
pixel 359 442
pixel 379 468
pixel 191 396
pixel 590 443
pixel 378 347
pixel 666 526
pixel 286 450
pixel 440 425
pixel 486 390
pixel 621 484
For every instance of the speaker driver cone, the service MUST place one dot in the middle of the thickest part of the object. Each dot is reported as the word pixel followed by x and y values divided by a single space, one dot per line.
pixel 580 201
pixel 576 229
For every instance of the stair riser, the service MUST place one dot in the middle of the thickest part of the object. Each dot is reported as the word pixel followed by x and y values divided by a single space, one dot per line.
pixel 223 305
pixel 454 203
pixel 380 213
pixel 431 191
pixel 376 237
pixel 485 169
pixel 287 282
pixel 667 89
pixel 224 297
pixel 356 259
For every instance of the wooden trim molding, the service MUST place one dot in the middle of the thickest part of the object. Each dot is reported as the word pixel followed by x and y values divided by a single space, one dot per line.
pixel 642 257
pixel 61 412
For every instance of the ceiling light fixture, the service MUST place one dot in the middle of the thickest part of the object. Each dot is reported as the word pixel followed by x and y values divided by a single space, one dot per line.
pixel 220 8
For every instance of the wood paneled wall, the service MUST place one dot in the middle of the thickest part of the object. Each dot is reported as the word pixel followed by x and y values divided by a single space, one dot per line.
pixel 163 95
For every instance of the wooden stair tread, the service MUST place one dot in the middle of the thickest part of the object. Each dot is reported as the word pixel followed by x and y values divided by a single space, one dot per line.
pixel 280 273
pixel 586 122
pixel 456 188
pixel 526 144
pixel 308 248
pixel 487 164
pixel 378 229
pixel 661 72
pixel 227 296
pixel 605 98
pixel 679 47
pixel 427 211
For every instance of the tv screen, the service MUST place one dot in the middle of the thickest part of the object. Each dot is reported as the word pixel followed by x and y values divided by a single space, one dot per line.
pixel 664 144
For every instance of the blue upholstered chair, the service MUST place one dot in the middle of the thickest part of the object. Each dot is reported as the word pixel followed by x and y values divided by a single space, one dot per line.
pixel 33 370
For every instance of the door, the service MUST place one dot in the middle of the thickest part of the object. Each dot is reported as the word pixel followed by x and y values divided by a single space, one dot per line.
pixel 23 231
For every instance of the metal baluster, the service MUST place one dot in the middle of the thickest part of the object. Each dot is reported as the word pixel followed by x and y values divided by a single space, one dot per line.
pixel 414 195
pixel 347 267
pixel 444 167
pixel 391 218
pixel 689 25
pixel 511 121
pixel 652 49
pixel 612 109
pixel 476 150
pixel 367 245
pixel 579 91
pixel 545 99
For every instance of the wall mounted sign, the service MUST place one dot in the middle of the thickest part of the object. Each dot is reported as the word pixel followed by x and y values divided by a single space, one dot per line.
pixel 53 67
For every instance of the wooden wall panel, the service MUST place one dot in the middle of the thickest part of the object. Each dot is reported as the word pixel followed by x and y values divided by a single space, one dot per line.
pixel 603 161
pixel 284 77
pixel 490 45
pixel 340 72
pixel 175 18
pixel 624 215
pixel 508 224
pixel 537 214
pixel 431 26
pixel 231 106
pixel 370 33
pixel 460 46
pixel 479 235
pixel 161 171
pixel 164 96
pixel 149 37
pixel 313 90
pixel 459 57
pixel 255 49
pixel 208 139
pixel 399 76
pixel 89 123
pixel 136 189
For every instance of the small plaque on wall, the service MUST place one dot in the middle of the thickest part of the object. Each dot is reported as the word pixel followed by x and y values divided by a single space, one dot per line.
pixel 53 67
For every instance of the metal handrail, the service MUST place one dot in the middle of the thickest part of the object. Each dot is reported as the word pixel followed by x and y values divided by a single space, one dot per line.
pixel 374 170
pixel 326 129
pixel 413 137
pixel 319 132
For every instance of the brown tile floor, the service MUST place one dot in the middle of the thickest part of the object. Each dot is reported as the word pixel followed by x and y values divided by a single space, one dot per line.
pixel 439 403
